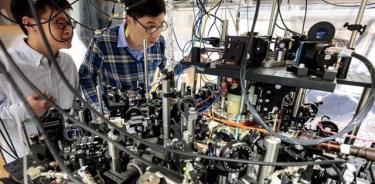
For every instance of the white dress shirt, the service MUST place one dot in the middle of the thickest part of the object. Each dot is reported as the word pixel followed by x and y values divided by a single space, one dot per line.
pixel 43 75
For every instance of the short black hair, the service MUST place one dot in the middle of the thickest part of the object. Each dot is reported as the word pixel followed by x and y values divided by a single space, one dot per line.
pixel 140 8
pixel 20 8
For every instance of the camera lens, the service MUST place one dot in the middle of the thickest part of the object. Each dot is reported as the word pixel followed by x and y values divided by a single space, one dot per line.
pixel 321 31
pixel 321 34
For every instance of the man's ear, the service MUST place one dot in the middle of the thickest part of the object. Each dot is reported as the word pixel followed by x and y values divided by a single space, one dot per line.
pixel 29 24
pixel 129 20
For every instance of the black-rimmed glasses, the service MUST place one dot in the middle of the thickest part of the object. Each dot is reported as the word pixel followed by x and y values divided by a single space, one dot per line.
pixel 153 29
pixel 62 24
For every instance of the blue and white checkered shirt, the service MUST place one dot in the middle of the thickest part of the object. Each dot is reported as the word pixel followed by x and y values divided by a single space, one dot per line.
pixel 119 67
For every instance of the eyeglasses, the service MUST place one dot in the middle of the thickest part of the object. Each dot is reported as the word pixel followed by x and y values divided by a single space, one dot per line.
pixel 62 24
pixel 153 29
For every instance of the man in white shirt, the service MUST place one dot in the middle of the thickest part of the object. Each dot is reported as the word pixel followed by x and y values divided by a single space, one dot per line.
pixel 30 56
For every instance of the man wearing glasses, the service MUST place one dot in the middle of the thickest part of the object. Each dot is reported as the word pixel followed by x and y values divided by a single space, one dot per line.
pixel 116 55
pixel 30 56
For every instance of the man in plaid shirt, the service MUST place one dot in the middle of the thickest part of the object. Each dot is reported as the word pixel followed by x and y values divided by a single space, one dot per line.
pixel 116 55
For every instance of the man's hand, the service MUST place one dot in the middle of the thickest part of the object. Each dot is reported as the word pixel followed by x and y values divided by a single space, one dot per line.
pixel 38 105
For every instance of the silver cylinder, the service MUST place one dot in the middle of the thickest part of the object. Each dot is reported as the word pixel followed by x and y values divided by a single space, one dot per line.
pixel 280 55
pixel 223 179
pixel 358 20
pixel 224 32
pixel 222 103
pixel 182 125
pixel 271 25
pixel 298 100
pixel 145 59
pixel 272 145
pixel 166 110
pixel 183 89
pixel 193 115
pixel 191 121
pixel 113 152
pixel 81 162
pixel 194 87
pixel 99 93
pixel 243 97
pixel 81 116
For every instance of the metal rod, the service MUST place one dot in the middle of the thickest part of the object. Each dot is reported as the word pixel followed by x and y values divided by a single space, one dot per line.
pixel 271 25
pixel 191 122
pixel 224 33
pixel 361 11
pixel 242 104
pixel 145 59
pixel 194 81
pixel 113 152
pixel 166 112
pixel 366 91
pixel 272 145
pixel 99 92
pixel 364 97
pixel 298 100
pixel 183 89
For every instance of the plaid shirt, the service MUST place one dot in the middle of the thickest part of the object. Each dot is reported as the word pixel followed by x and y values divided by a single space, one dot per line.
pixel 116 64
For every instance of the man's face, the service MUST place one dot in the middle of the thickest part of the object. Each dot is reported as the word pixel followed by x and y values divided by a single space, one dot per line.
pixel 58 29
pixel 148 28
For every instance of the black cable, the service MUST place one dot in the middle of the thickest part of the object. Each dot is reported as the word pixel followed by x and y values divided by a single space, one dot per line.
pixel 34 88
pixel 121 147
pixel 10 145
pixel 2 155
pixel 345 5
pixel 158 147
pixel 50 30
pixel 6 131
pixel 199 19
pixel 278 26
pixel 81 24
pixel 304 18
pixel 339 172
pixel 152 145
pixel 110 20
pixel 202 6
pixel 13 21
pixel 4 150
pixel 186 46
pixel 51 58
pixel 9 19
pixel 281 17
pixel 30 110
pixel 73 2
pixel 175 37
pixel 214 23
pixel 247 17
pixel 234 21
pixel 98 9
pixel 76 122
pixel 217 5
pixel 71 18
